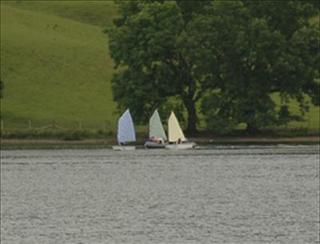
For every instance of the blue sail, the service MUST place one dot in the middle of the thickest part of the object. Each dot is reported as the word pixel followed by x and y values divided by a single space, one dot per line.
pixel 126 132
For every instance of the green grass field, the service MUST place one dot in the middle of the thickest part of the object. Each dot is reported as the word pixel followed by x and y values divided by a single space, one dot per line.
pixel 56 67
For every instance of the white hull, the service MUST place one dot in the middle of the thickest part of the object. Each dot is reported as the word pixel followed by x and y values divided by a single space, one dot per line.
pixel 182 146
pixel 124 148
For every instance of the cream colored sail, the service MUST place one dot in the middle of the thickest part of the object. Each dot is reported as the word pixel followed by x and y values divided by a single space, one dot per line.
pixel 174 130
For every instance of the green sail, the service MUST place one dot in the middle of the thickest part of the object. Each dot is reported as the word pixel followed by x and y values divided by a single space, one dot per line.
pixel 156 129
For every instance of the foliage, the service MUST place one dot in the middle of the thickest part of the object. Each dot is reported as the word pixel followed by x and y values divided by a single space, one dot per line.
pixel 149 44
pixel 173 104
pixel 255 56
pixel 233 55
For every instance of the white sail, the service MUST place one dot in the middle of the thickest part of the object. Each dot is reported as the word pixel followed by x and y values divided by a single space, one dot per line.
pixel 156 129
pixel 174 130
pixel 126 132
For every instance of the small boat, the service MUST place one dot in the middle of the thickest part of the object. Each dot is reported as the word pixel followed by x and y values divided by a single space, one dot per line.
pixel 125 133
pixel 157 135
pixel 177 139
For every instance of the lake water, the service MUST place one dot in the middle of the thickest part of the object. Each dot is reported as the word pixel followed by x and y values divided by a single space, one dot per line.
pixel 261 194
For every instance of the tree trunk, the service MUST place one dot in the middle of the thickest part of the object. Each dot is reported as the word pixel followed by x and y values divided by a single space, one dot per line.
pixel 192 117
pixel 252 128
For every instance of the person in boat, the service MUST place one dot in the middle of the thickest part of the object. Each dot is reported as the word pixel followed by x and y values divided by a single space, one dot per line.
pixel 157 140
pixel 153 139
pixel 179 141
pixel 161 141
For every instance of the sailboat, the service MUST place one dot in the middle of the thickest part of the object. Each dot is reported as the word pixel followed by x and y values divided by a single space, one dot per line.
pixel 125 133
pixel 157 135
pixel 177 140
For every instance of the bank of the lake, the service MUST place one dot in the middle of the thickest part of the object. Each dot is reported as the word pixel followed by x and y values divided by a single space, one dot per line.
pixel 108 142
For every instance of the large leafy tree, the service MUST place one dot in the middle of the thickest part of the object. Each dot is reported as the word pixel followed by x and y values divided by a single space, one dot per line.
pixel 231 56
pixel 149 46
pixel 264 49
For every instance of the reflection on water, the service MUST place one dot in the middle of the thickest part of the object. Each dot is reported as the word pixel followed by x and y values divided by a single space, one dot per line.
pixel 220 194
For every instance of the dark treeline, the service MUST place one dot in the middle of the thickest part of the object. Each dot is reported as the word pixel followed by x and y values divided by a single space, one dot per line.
pixel 222 60
pixel 1 88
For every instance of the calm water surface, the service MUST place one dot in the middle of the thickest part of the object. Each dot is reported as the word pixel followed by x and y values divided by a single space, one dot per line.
pixel 215 195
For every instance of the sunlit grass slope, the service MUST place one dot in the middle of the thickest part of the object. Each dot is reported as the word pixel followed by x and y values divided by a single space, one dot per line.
pixel 96 12
pixel 54 69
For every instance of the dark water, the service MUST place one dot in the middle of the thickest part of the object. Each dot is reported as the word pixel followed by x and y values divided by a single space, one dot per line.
pixel 218 195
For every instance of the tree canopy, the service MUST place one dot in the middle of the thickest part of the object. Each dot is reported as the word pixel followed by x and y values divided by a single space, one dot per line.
pixel 228 58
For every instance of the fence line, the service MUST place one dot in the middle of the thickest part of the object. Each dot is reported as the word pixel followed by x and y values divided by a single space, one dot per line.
pixel 29 124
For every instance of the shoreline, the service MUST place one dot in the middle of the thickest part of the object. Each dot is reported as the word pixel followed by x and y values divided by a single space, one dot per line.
pixel 107 143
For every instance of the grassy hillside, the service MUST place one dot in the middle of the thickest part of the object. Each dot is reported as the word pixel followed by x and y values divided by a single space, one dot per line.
pixel 98 13
pixel 54 69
